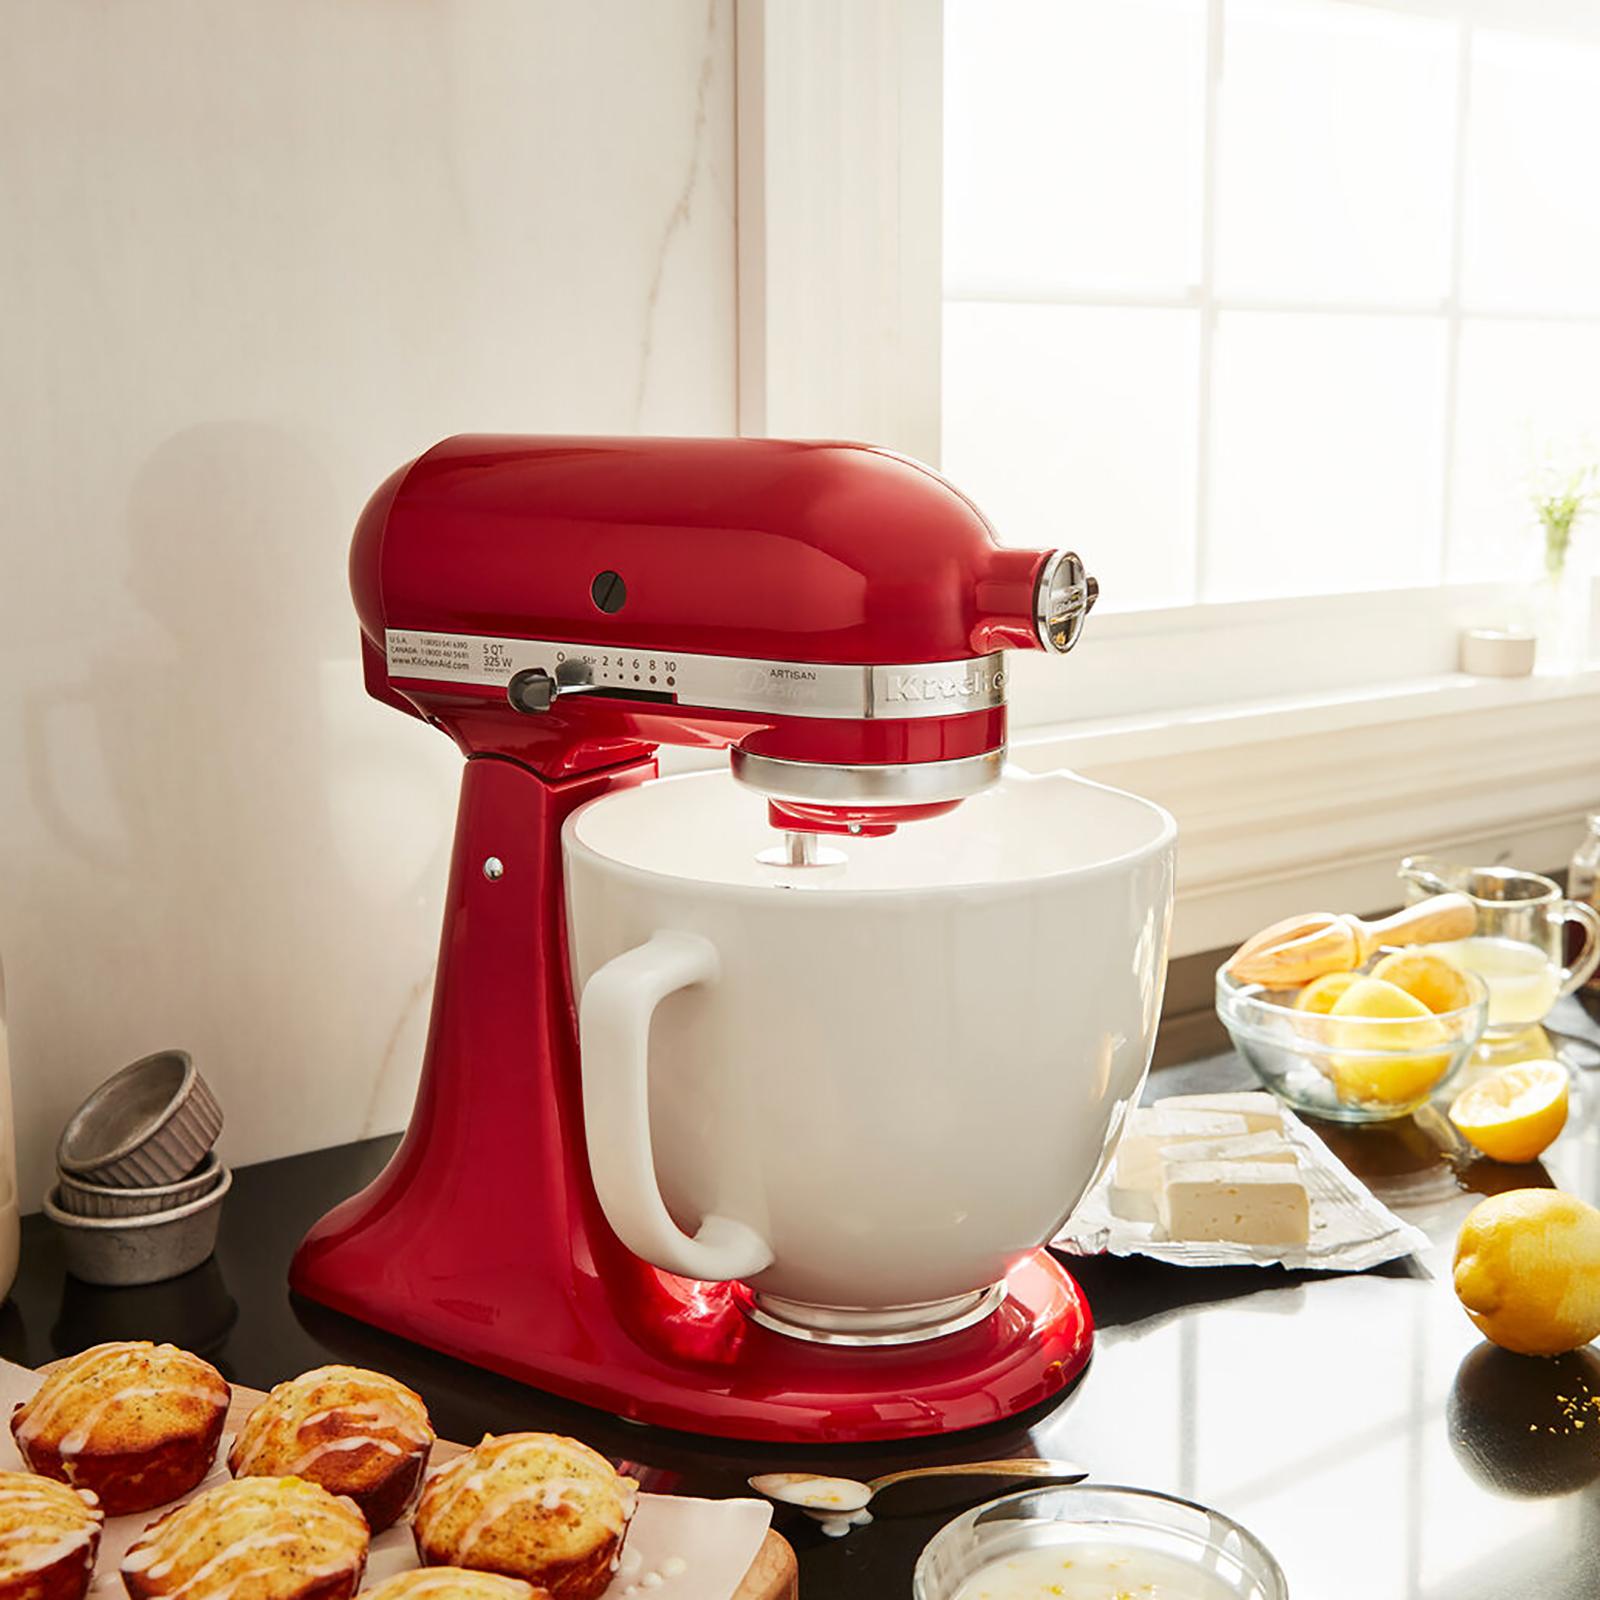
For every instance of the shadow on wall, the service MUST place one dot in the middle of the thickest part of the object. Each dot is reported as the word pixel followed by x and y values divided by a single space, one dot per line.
pixel 235 859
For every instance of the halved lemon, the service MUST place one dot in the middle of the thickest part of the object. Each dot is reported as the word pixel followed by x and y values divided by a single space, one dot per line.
pixel 1438 984
pixel 1322 994
pixel 1514 1113
pixel 1389 1065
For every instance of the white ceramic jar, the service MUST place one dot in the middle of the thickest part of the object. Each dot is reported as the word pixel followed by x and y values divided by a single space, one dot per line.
pixel 864 1089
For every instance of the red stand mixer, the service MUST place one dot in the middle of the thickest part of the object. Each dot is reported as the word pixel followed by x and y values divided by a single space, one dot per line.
pixel 832 615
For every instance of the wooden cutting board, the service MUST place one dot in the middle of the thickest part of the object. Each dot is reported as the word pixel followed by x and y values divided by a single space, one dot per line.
pixel 773 1575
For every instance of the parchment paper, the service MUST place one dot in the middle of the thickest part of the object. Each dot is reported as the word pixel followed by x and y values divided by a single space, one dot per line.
pixel 714 1540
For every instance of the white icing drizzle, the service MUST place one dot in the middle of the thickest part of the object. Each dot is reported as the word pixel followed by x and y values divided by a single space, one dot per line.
pixel 275 1512
pixel 275 1437
pixel 106 1377
pixel 836 1524
pixel 32 1548
pixel 42 1522
pixel 549 1494
pixel 60 1388
pixel 307 1459
pixel 72 1443
pixel 253 1544
pixel 590 1486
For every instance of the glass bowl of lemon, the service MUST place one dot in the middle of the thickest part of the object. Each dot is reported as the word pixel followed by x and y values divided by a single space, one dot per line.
pixel 1363 1046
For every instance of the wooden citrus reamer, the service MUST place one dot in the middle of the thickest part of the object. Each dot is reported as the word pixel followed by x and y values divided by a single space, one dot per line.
pixel 1301 948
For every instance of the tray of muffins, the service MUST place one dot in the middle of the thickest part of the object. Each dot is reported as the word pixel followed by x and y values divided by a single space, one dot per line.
pixel 331 1485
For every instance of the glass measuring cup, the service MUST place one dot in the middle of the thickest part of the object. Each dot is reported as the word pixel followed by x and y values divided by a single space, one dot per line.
pixel 1518 945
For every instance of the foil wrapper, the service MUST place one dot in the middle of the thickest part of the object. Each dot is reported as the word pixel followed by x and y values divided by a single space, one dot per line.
pixel 1351 1229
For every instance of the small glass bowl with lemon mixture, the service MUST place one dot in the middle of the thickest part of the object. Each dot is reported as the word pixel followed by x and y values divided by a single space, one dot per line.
pixel 1088 1542
pixel 1361 1046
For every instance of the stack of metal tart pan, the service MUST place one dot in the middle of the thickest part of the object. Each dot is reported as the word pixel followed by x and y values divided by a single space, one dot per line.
pixel 139 1188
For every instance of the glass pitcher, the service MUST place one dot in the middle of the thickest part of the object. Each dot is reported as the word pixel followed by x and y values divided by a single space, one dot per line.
pixel 1583 883
pixel 1518 948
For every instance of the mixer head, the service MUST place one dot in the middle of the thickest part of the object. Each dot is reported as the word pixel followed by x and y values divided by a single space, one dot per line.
pixel 833 614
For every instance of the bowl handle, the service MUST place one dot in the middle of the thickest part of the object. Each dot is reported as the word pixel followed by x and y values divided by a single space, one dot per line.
pixel 614 1042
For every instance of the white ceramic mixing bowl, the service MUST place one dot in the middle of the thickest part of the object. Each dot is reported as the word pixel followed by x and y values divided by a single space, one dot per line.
pixel 864 1089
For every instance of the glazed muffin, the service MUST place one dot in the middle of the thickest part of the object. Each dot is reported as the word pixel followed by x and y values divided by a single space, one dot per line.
pixel 357 1433
pixel 452 1583
pixel 253 1539
pixel 137 1423
pixel 49 1538
pixel 532 1506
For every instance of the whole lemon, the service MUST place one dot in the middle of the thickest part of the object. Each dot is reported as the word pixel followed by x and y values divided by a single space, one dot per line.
pixel 1527 1271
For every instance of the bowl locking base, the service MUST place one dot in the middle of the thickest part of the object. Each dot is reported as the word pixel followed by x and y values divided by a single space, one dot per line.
pixel 848 1325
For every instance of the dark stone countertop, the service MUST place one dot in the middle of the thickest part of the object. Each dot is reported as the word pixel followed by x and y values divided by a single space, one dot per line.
pixel 1356 1423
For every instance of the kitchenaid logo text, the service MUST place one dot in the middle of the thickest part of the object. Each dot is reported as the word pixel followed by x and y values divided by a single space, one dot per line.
pixel 926 683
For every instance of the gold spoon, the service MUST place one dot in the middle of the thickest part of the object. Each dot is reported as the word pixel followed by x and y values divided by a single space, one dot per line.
pixel 840 1503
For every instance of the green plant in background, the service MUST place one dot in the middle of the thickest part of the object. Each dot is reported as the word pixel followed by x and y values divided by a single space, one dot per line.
pixel 1562 498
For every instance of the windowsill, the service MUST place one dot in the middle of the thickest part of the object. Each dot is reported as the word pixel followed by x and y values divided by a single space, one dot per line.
pixel 1226 726
pixel 1298 802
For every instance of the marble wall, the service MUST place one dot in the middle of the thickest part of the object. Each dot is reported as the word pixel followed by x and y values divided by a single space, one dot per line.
pixel 253 256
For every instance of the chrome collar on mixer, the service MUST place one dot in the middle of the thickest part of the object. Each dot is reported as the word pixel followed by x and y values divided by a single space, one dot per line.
pixel 841 784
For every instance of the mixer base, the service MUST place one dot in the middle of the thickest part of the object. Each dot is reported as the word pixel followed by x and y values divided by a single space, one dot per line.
pixel 688 1355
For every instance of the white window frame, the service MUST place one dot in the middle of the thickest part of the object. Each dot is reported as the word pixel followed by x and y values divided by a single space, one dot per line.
pixel 840 316
pixel 1206 300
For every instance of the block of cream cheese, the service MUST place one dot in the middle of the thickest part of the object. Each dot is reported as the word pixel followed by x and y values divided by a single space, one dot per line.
pixel 1259 1109
pixel 1243 1202
pixel 1238 1147
pixel 1138 1171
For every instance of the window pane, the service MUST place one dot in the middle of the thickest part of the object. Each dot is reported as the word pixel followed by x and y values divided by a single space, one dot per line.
pixel 1076 426
pixel 1326 462
pixel 1337 152
pixel 1526 392
pixel 1072 144
pixel 1532 209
